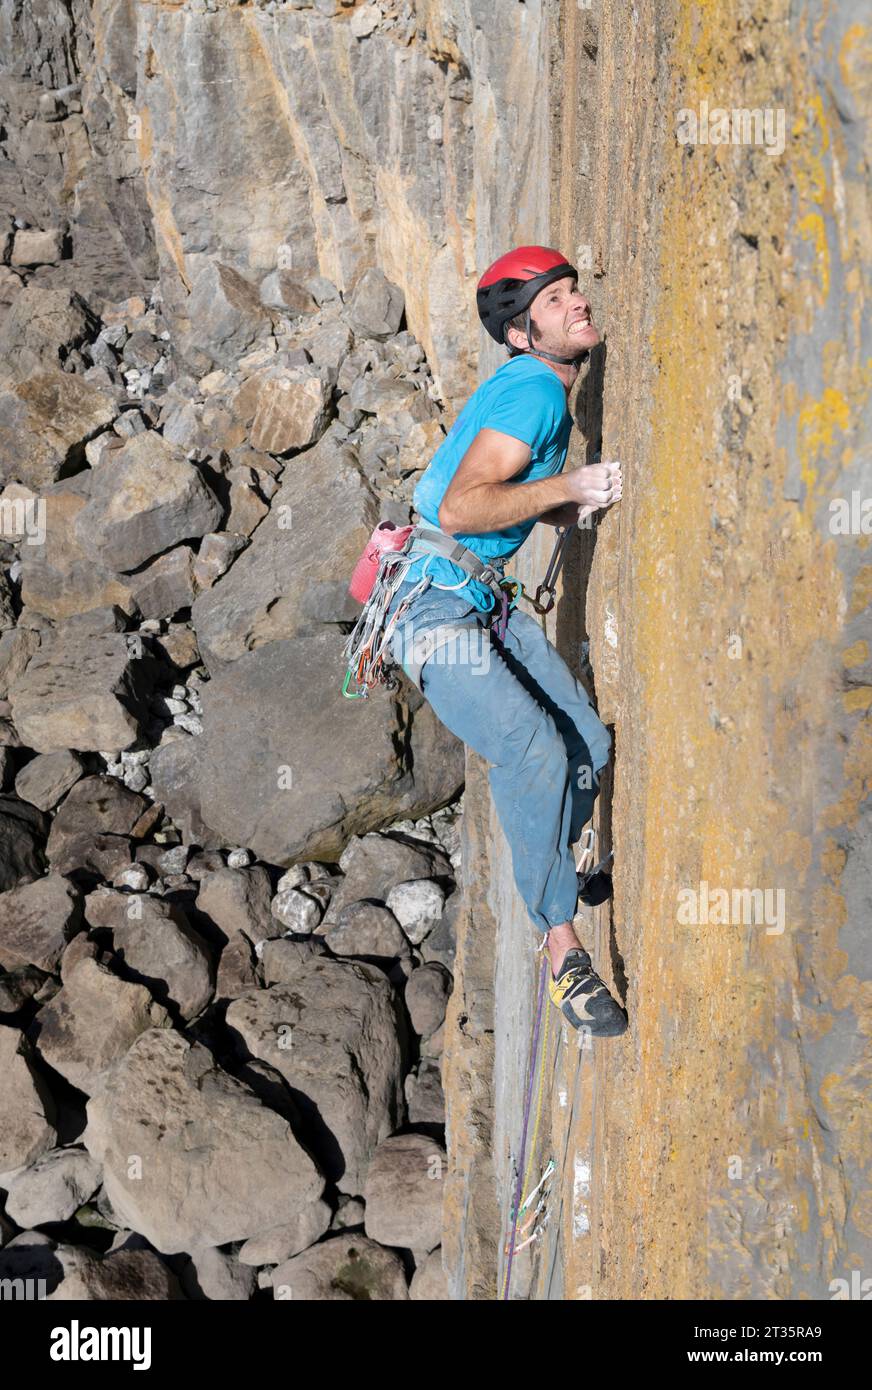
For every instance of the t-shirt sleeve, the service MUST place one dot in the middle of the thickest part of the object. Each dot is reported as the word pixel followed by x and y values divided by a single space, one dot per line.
pixel 531 411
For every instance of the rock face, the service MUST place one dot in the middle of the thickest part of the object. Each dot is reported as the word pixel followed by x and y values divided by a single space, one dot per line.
pixel 239 246
pixel 729 638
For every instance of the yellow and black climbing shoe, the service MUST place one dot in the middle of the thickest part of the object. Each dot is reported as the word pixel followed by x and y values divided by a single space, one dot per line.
pixel 584 999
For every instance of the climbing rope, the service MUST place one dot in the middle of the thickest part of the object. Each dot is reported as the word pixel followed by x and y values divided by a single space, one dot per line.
pixel 523 1176
pixel 537 1058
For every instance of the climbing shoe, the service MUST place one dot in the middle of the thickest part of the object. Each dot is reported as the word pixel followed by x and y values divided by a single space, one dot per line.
pixel 584 999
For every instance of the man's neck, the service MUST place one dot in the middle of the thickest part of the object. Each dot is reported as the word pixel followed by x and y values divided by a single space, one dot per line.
pixel 566 371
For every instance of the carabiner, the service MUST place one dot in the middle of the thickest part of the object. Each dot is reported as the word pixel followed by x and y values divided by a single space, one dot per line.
pixel 358 695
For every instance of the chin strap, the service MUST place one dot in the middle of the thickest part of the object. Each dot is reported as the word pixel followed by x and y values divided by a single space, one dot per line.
pixel 552 357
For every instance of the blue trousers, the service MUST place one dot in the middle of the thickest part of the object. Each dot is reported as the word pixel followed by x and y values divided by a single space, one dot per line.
pixel 518 705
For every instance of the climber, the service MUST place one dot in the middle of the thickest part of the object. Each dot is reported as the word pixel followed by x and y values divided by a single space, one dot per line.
pixel 497 473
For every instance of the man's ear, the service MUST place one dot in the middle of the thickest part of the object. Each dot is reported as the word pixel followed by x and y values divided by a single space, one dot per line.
pixel 520 340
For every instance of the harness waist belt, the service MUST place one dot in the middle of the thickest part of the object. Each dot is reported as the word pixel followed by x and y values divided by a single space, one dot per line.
pixel 436 542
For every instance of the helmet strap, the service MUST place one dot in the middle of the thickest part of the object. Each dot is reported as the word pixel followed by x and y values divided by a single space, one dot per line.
pixel 552 357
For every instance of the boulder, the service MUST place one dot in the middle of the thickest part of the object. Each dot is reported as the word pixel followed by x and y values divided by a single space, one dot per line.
pixel 53 1187
pixel 303 551
pixel 148 500
pixel 155 945
pixel 26 1105
pixel 283 408
pixel 403 1192
pixel 429 1283
pixel 41 328
pixel 347 1268
pixel 23 829
pixel 168 1100
pixel 92 1021
pixel 37 920
pixel 85 696
pixel 133 1275
pixel 375 309
pixel 59 579
pixel 332 1035
pixel 48 777
pixel 224 319
pixel 278 1243
pixel 45 421
pixel 264 782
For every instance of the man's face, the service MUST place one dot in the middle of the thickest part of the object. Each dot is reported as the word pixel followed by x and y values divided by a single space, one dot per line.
pixel 563 316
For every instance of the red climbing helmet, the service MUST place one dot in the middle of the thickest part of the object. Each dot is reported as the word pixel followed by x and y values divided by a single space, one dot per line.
pixel 509 286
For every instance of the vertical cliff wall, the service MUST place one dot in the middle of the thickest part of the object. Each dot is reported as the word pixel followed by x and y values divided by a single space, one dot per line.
pixel 716 1149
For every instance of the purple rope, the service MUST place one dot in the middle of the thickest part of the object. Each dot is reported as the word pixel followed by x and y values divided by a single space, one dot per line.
pixel 533 1050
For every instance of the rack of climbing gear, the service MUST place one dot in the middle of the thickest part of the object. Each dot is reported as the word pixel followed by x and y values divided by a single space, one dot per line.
pixel 382 568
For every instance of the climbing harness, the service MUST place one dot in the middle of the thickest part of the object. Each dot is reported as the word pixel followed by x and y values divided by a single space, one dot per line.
pixel 379 573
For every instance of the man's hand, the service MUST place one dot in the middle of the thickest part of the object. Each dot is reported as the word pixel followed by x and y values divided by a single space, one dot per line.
pixel 595 485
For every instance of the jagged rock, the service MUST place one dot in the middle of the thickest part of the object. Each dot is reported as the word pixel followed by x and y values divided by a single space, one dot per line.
pixel 425 1098
pixel 426 997
pixel 247 507
pixel 52 1187
pixel 175 768
pixel 429 1283
pixel 137 1275
pixel 328 345
pixel 224 319
pixel 19 985
pixel 88 856
pixel 319 521
pixel 17 646
pixel 84 697
pixel 42 326
pixel 215 556
pixel 296 911
pixel 237 969
pixel 417 906
pixel 161 588
pixel 33 247
pixel 45 420
pixel 344 1269
pixel 279 290
pixel 375 309
pixel 367 931
pixel 92 1021
pixel 258 781
pixel 239 901
pixel 150 500
pixel 282 958
pixel 25 1103
pixel 59 578
pixel 332 1036
pixel 37 921
pixel 280 1243
pixel 96 803
pixel 283 409
pixel 23 830
pixel 403 1192
pixel 373 864
pixel 218 1274
pixel 156 945
pixel 167 1096
pixel 48 777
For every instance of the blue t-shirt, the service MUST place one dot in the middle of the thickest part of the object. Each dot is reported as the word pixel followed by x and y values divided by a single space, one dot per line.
pixel 523 398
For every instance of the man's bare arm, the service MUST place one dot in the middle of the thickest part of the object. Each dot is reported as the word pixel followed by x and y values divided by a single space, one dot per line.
pixel 481 496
